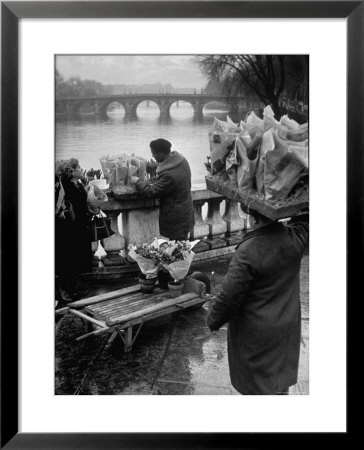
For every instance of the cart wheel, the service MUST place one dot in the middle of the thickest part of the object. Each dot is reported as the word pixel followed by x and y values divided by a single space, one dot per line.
pixel 205 279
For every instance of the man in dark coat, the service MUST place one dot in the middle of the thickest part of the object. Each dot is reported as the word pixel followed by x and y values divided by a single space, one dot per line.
pixel 260 301
pixel 173 187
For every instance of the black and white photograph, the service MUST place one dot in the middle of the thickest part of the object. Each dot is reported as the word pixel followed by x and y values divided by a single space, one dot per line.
pixel 203 237
pixel 181 224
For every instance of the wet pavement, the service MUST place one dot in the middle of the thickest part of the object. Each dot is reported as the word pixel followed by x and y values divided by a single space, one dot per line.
pixel 174 355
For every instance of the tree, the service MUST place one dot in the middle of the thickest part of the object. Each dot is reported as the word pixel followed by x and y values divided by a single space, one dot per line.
pixel 296 85
pixel 75 87
pixel 263 75
pixel 213 87
pixel 60 83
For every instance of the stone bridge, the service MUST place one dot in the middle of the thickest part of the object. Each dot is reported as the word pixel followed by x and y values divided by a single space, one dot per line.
pixel 237 106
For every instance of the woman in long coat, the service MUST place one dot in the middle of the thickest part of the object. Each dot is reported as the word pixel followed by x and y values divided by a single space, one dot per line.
pixel 73 244
pixel 260 301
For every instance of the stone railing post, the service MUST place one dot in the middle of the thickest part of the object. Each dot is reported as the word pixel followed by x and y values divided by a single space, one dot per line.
pixel 217 226
pixel 114 244
pixel 200 229
pixel 234 222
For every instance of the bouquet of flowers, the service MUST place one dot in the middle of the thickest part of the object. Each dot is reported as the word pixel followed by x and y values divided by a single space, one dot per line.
pixel 151 168
pixel 118 169
pixel 176 257
pixel 146 257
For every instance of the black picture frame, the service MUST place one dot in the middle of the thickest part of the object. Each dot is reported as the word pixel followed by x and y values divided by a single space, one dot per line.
pixel 11 13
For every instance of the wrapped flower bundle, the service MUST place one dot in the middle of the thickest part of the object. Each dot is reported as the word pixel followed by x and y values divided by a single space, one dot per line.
pixel 279 166
pixel 176 257
pixel 151 168
pixel 95 196
pixel 118 169
pixel 146 257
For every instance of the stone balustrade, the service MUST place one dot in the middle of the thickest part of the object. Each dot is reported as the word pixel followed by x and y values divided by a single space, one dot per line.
pixel 219 225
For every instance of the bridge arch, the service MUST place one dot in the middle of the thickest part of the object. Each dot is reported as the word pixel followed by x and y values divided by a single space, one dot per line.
pixel 147 102
pixel 131 101
pixel 106 107
pixel 79 107
pixel 172 106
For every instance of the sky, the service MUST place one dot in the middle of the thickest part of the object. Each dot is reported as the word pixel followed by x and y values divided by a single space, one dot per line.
pixel 179 71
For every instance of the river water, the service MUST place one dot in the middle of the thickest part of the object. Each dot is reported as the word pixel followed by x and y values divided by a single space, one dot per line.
pixel 88 137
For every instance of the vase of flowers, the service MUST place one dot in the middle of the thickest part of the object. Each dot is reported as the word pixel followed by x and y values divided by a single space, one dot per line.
pixel 146 283
pixel 168 260
pixel 145 256
pixel 175 288
pixel 175 257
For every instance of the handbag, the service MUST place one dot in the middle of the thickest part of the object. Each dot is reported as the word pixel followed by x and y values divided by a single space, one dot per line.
pixel 100 228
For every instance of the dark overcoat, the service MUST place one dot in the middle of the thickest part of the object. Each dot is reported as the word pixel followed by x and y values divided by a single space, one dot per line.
pixel 73 244
pixel 173 187
pixel 260 301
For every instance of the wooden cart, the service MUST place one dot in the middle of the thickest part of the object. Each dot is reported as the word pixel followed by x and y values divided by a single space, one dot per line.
pixel 123 312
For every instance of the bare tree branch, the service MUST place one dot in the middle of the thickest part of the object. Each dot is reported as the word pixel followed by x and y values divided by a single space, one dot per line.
pixel 265 75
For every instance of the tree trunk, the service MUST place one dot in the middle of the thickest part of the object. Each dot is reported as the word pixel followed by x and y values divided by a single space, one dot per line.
pixel 276 108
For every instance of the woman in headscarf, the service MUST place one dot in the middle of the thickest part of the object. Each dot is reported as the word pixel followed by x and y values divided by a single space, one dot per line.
pixel 73 246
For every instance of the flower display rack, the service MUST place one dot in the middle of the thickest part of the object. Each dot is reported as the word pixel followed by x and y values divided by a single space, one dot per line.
pixel 250 200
